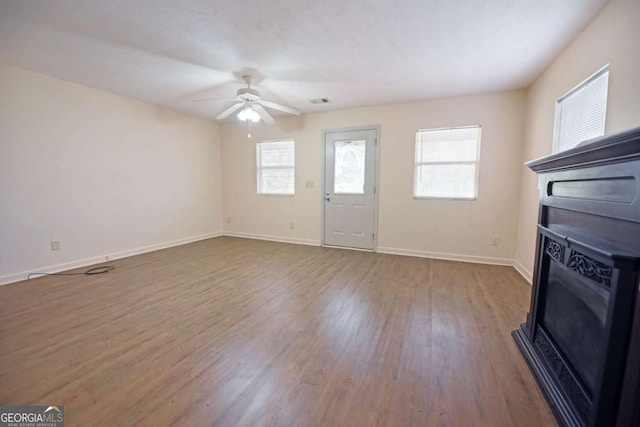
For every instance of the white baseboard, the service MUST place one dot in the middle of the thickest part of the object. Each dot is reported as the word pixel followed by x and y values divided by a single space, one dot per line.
pixel 165 245
pixel 17 277
pixel 446 256
pixel 385 250
pixel 524 272
pixel 309 242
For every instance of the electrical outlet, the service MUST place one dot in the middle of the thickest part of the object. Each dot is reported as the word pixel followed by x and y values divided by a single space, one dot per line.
pixel 228 220
pixel 495 240
pixel 292 225
pixel 55 245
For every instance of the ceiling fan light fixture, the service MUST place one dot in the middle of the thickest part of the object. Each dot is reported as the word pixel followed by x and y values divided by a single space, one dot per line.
pixel 248 113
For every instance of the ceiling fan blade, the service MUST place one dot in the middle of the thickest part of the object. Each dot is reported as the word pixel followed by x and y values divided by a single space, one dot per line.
pixel 266 117
pixel 229 111
pixel 280 107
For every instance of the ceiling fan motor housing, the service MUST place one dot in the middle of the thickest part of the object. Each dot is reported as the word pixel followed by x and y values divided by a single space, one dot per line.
pixel 248 94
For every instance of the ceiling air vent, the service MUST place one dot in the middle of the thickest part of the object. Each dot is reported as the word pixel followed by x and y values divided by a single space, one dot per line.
pixel 320 101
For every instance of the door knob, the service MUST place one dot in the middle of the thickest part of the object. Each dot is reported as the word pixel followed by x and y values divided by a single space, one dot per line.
pixel 327 196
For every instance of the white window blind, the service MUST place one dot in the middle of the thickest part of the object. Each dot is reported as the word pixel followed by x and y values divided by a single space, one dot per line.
pixel 581 113
pixel 275 167
pixel 446 163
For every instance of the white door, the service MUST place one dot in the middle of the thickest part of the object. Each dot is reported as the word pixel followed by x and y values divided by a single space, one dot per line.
pixel 349 185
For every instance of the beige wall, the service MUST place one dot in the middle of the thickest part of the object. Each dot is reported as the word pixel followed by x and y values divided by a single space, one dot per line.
pixel 103 174
pixel 612 38
pixel 439 228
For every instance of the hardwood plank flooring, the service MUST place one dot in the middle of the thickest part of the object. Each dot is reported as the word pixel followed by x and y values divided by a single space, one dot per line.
pixel 237 332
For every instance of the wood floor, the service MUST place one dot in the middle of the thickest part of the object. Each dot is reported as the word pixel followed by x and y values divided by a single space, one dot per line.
pixel 237 332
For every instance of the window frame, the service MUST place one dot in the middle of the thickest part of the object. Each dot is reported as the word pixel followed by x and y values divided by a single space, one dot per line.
pixel 558 113
pixel 259 184
pixel 476 162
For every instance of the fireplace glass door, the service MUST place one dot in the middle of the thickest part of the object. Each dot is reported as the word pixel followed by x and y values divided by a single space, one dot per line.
pixel 574 317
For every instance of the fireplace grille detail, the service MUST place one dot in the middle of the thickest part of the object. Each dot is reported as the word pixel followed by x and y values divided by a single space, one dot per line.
pixel 590 268
pixel 562 374
pixel 554 249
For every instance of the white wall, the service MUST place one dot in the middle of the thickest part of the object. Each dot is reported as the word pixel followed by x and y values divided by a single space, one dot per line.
pixel 440 228
pixel 612 38
pixel 103 174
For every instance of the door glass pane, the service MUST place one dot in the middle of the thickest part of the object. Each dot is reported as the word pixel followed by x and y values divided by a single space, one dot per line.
pixel 348 175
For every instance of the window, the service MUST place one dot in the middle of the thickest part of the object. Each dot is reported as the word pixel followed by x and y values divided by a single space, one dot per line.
pixel 275 166
pixel 447 162
pixel 580 114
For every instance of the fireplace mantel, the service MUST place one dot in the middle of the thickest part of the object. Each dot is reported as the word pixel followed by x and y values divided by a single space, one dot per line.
pixel 581 338
pixel 621 147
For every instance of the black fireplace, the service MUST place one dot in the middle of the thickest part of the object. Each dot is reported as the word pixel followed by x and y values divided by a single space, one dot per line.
pixel 582 335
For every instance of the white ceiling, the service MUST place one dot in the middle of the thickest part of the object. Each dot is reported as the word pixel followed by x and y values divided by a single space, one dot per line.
pixel 356 53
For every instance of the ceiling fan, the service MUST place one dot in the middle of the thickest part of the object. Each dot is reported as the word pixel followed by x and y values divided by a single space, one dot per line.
pixel 251 106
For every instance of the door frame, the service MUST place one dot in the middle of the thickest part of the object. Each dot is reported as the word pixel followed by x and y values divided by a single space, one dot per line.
pixel 376 181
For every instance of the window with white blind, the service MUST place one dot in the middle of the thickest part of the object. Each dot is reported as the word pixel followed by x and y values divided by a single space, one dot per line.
pixel 580 114
pixel 446 163
pixel 275 167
